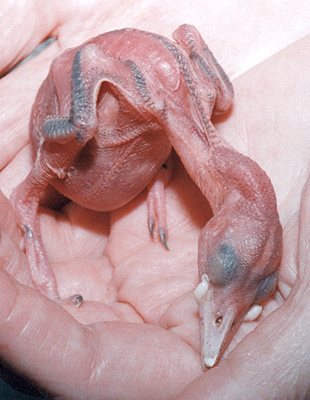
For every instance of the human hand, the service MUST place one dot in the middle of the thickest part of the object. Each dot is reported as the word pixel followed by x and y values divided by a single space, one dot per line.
pixel 137 334
pixel 263 364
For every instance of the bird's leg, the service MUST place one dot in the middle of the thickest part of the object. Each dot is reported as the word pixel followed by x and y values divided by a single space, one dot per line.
pixel 156 202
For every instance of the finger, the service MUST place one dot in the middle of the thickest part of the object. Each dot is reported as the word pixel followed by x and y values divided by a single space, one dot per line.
pixel 25 30
pixel 12 259
pixel 15 111
pixel 132 361
pixel 303 276
pixel 7 218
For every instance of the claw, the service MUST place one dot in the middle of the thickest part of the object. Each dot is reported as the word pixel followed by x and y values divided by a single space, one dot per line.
pixel 28 231
pixel 163 238
pixel 151 226
pixel 162 232
pixel 77 299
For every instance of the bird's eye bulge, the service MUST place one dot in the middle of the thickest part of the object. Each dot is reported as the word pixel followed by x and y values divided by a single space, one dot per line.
pixel 223 265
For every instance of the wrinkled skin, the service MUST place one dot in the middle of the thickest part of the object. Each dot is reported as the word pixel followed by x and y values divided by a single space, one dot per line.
pixel 102 126
pixel 29 335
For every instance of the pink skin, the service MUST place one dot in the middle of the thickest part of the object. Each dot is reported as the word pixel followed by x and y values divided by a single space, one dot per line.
pixel 76 352
pixel 105 134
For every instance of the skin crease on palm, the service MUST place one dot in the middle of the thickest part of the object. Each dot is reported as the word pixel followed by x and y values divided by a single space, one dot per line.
pixel 90 358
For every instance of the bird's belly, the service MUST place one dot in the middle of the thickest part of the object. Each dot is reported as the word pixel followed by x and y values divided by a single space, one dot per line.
pixel 104 179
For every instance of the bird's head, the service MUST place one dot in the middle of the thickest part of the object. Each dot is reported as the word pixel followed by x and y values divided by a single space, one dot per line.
pixel 238 259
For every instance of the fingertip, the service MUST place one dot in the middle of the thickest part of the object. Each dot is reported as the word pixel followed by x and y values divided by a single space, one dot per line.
pixel 9 294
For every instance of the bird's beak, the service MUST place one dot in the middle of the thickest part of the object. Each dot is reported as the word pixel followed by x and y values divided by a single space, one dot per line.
pixel 217 323
pixel 215 333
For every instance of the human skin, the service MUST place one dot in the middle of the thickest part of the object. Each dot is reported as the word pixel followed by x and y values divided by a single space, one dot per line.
pixel 129 360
